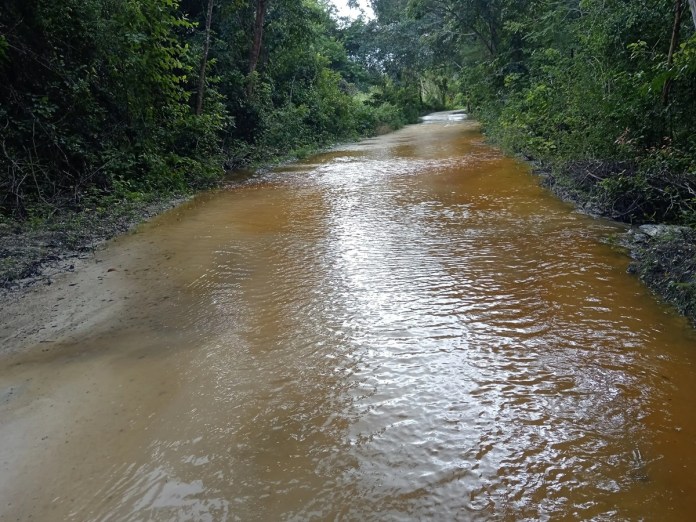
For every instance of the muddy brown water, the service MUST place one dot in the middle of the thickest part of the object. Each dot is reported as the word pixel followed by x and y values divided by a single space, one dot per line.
pixel 406 328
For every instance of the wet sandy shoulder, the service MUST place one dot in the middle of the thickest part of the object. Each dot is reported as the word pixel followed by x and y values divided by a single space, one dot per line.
pixel 43 317
pixel 76 376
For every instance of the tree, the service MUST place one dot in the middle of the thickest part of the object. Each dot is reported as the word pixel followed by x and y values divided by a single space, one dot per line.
pixel 260 15
pixel 204 60
pixel 95 97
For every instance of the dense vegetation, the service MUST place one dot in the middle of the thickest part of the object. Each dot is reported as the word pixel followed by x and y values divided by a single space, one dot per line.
pixel 102 100
pixel 602 92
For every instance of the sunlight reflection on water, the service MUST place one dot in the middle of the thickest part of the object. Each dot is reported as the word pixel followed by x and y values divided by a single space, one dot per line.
pixel 404 328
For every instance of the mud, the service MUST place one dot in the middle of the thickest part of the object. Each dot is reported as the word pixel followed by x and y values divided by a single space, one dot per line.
pixel 35 252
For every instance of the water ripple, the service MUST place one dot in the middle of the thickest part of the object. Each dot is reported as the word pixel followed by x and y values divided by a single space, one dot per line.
pixel 408 328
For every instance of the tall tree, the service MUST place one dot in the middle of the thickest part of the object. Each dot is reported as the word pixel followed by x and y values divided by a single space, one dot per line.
pixel 673 43
pixel 204 59
pixel 260 15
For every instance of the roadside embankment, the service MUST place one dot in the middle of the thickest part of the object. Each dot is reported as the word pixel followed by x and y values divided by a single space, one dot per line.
pixel 32 252
pixel 665 259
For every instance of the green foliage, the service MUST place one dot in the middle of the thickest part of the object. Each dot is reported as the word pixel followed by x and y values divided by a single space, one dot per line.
pixel 96 95
pixel 584 82
pixel 388 116
pixel 312 87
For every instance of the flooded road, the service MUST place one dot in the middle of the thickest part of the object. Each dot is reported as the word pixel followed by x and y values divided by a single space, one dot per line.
pixel 406 328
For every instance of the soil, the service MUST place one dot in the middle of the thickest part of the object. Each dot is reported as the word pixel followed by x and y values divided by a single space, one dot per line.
pixel 665 259
pixel 32 254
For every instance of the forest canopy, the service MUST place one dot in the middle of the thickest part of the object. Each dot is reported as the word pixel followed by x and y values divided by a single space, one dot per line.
pixel 600 92
pixel 125 97
pixel 104 97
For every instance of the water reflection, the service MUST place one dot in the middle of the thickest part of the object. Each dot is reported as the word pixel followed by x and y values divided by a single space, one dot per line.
pixel 400 329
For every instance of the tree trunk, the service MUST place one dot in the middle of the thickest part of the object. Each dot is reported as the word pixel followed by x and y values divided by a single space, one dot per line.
pixel 443 92
pixel 258 35
pixel 692 6
pixel 204 60
pixel 674 41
